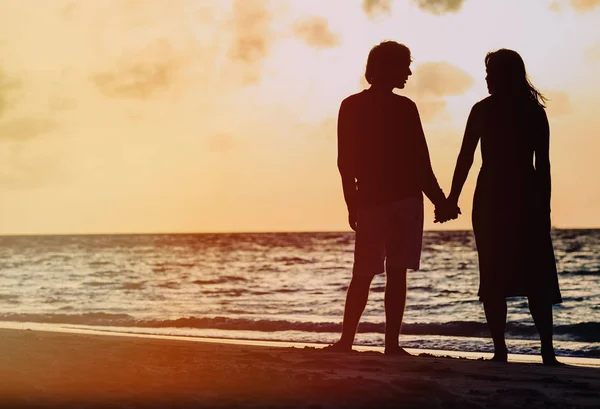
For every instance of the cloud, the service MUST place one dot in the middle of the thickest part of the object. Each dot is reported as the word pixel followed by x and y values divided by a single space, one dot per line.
pixel 252 36
pixel 555 6
pixel 58 103
pixel 584 5
pixel 130 14
pixel 221 143
pixel 322 130
pixel 431 82
pixel 439 7
pixel 24 129
pixel 67 10
pixel 23 167
pixel 7 88
pixel 439 79
pixel 430 110
pixel 141 75
pixel 23 162
pixel 315 32
pixel 559 103
pixel 152 58
pixel 376 7
pixel 592 54
pixel 251 20
pixel 362 82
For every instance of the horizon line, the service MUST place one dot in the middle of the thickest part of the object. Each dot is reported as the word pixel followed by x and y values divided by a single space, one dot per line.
pixel 238 232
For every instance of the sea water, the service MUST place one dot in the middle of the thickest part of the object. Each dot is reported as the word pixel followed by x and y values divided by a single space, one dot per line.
pixel 281 286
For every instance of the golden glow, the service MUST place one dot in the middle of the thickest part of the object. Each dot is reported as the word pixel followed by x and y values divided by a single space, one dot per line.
pixel 194 115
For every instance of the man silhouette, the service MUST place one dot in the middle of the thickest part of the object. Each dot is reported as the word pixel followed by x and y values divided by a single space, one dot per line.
pixel 385 166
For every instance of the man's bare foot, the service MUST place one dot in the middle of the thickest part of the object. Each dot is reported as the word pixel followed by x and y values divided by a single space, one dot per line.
pixel 500 356
pixel 338 347
pixel 396 351
pixel 552 361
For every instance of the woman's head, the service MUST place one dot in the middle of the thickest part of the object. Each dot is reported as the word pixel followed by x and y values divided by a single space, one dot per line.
pixel 388 64
pixel 506 74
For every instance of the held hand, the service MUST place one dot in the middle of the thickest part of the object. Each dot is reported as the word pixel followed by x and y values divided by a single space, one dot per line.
pixel 353 220
pixel 443 216
pixel 452 212
pixel 446 211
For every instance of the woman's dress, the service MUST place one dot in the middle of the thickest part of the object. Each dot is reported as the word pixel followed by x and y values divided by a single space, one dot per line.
pixel 511 210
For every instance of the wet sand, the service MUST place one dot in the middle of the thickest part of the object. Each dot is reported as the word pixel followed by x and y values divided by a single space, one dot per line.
pixel 51 370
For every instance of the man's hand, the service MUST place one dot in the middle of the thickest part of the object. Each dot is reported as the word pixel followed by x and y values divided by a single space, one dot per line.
pixel 353 219
pixel 446 211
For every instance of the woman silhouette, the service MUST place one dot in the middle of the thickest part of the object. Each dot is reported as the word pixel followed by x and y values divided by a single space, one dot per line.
pixel 511 207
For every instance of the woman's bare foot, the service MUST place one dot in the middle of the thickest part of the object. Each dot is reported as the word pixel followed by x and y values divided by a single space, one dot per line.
pixel 549 358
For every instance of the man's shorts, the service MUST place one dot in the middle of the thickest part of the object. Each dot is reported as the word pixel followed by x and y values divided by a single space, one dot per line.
pixel 391 232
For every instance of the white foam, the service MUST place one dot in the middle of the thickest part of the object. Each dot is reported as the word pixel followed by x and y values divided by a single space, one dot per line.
pixel 576 361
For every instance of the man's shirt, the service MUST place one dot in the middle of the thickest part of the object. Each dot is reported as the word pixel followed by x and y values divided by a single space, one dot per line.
pixel 382 146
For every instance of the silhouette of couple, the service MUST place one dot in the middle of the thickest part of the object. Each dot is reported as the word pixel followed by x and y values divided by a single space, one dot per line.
pixel 385 167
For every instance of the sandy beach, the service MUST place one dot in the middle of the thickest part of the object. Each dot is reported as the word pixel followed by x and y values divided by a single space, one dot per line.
pixel 49 369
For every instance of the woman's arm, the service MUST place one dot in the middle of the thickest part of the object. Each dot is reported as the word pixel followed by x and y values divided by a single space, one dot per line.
pixel 542 164
pixel 465 157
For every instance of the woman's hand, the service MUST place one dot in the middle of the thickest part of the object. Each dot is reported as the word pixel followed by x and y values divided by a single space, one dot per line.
pixel 446 211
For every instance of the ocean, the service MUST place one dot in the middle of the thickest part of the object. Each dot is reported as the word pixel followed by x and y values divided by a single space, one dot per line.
pixel 280 286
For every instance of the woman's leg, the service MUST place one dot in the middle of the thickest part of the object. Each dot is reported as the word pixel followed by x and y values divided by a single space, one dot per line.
pixel 541 311
pixel 495 314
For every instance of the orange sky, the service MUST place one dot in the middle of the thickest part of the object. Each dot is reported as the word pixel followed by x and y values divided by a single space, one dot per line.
pixel 206 116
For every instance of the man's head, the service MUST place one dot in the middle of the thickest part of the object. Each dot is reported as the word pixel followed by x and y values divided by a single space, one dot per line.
pixel 388 65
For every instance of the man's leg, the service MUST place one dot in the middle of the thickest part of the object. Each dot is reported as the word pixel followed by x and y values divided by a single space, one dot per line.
pixel 495 314
pixel 395 302
pixel 369 255
pixel 541 311
pixel 356 301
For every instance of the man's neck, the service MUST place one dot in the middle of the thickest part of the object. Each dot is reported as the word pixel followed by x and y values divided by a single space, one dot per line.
pixel 381 88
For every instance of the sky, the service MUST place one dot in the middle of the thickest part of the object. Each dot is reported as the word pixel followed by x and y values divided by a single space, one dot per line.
pixel 157 116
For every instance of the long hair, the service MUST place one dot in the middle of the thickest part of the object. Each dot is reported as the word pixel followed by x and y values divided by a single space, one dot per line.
pixel 381 58
pixel 506 70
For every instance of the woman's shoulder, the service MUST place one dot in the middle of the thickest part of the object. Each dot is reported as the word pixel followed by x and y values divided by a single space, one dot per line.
pixel 481 107
pixel 539 109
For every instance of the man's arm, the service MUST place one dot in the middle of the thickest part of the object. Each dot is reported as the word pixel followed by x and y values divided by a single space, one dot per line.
pixel 347 161
pixel 429 183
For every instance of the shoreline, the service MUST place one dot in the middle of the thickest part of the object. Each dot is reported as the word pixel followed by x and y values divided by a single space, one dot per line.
pixel 65 328
pixel 46 369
